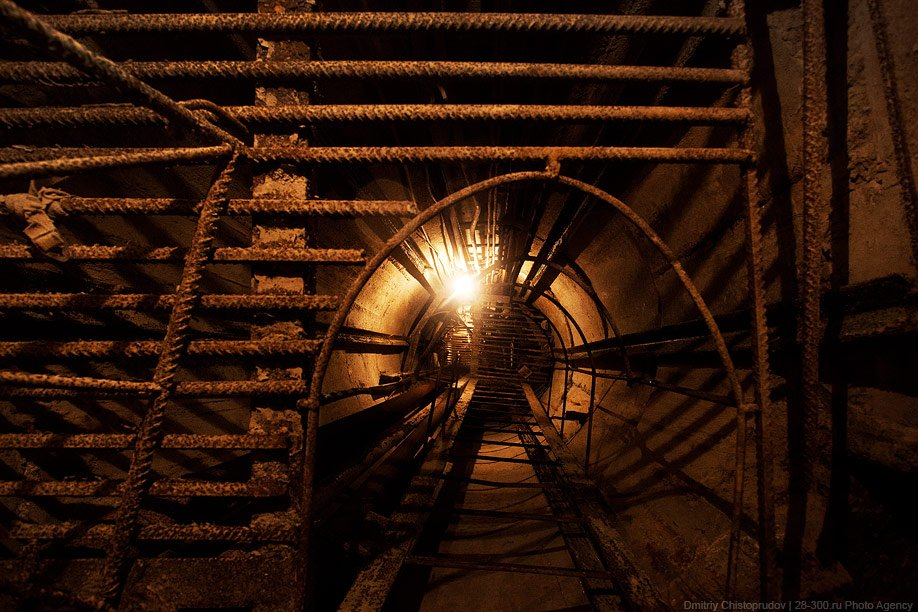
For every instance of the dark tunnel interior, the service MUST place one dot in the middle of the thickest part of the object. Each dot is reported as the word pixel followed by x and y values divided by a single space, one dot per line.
pixel 482 304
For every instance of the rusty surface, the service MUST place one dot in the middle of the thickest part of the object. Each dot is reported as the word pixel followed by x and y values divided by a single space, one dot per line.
pixel 59 161
pixel 123 441
pixel 410 155
pixel 273 487
pixel 142 301
pixel 52 73
pixel 376 22
pixel 272 206
pixel 293 116
pixel 151 348
pixel 224 254
pixel 74 382
pixel 45 37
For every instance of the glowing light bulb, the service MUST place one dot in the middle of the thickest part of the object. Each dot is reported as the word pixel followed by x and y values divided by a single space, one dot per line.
pixel 464 288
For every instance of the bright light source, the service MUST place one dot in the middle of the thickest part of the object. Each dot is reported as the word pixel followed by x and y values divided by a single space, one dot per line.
pixel 464 288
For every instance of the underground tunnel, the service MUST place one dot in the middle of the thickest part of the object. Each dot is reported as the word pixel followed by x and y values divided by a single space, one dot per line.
pixel 467 304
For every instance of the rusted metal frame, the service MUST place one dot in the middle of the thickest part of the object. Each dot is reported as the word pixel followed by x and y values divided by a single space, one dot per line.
pixel 73 206
pixel 592 407
pixel 222 388
pixel 53 381
pixel 586 285
pixel 53 73
pixel 768 565
pixel 75 161
pixel 24 252
pixel 391 22
pixel 144 301
pixel 175 343
pixel 133 349
pixel 287 116
pixel 897 121
pixel 97 536
pixel 79 162
pixel 256 487
pixel 456 154
pixel 47 37
pixel 310 404
pixel 125 441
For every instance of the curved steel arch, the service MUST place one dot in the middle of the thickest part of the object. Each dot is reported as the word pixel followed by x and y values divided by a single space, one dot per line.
pixel 347 302
pixel 310 404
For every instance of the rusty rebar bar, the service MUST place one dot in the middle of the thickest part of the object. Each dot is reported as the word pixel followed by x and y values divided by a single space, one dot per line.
pixel 262 24
pixel 24 252
pixel 286 116
pixel 58 161
pixel 78 55
pixel 742 60
pixel 175 344
pixel 146 301
pixel 267 206
pixel 54 73
pixel 96 349
pixel 459 154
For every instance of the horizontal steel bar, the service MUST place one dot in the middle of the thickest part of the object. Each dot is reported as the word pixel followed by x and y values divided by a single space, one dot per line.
pixel 144 301
pixel 26 379
pixel 260 206
pixel 60 164
pixel 273 487
pixel 99 536
pixel 325 155
pixel 276 72
pixel 475 563
pixel 126 441
pixel 392 22
pixel 104 159
pixel 151 348
pixel 26 252
pixel 222 388
pixel 262 118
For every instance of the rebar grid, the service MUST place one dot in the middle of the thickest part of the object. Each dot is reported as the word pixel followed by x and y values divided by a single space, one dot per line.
pixel 88 67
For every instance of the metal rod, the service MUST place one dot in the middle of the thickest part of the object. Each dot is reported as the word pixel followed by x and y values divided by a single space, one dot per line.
pixel 145 301
pixel 55 73
pixel 76 54
pixel 286 116
pixel 742 60
pixel 175 344
pixel 391 22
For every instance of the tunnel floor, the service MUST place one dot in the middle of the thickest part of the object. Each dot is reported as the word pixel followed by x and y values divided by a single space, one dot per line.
pixel 503 533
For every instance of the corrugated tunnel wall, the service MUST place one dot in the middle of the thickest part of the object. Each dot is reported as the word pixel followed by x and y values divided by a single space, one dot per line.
pixel 255 255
